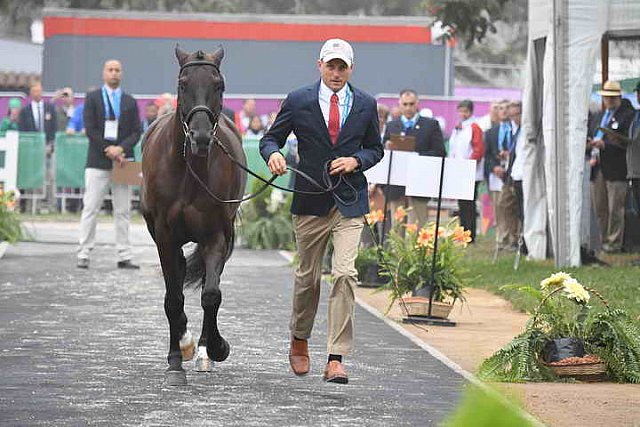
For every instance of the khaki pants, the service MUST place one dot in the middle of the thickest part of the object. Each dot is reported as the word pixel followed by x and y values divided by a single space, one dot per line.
pixel 96 182
pixel 508 204
pixel 600 203
pixel 502 236
pixel 419 212
pixel 312 235
pixel 608 201
pixel 392 206
pixel 616 196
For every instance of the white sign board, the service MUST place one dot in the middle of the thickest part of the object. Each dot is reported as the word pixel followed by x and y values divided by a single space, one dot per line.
pixel 458 181
pixel 9 168
pixel 421 175
pixel 400 163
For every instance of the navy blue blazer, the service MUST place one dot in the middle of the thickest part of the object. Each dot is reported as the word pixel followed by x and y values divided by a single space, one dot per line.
pixel 359 137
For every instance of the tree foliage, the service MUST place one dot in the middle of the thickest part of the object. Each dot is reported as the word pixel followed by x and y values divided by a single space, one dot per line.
pixel 469 20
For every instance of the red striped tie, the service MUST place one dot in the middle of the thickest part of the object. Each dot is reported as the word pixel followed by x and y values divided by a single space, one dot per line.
pixel 334 119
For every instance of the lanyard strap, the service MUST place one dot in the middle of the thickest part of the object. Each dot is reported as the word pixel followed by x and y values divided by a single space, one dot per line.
pixel 347 99
pixel 110 114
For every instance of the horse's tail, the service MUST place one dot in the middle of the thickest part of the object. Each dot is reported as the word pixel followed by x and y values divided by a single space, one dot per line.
pixel 196 270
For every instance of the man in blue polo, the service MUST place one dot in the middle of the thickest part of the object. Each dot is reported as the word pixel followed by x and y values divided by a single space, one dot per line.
pixel 337 129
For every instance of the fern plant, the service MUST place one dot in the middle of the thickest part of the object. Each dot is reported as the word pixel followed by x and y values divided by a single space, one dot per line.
pixel 615 338
pixel 519 360
pixel 610 334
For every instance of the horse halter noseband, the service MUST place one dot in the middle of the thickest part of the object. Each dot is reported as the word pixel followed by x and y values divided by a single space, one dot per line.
pixel 199 108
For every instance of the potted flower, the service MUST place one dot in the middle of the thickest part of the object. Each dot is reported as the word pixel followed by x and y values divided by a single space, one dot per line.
pixel 367 259
pixel 566 337
pixel 408 264
pixel 10 229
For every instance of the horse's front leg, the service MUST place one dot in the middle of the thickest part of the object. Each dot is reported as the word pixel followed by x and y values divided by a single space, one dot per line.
pixel 173 269
pixel 217 348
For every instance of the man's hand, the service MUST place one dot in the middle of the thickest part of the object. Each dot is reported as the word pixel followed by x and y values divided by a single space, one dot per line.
pixel 114 151
pixel 343 165
pixel 598 143
pixel 498 171
pixel 277 164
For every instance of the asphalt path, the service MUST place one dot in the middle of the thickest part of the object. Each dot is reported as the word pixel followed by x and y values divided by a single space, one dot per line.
pixel 89 348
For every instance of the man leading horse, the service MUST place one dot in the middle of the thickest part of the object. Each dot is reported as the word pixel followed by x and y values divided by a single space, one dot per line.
pixel 338 132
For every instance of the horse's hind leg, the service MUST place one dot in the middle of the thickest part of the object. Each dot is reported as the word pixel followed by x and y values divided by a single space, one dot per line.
pixel 215 255
pixel 173 268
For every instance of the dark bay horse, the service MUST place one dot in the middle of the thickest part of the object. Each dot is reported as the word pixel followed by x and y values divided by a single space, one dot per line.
pixel 186 178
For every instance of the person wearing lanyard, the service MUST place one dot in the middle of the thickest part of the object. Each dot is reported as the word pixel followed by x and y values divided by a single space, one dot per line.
pixel 337 128
pixel 511 199
pixel 113 127
pixel 610 183
pixel 429 142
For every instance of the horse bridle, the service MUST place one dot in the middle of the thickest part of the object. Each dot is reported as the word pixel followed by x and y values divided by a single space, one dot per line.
pixel 199 108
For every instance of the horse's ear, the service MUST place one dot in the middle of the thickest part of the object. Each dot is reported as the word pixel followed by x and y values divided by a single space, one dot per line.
pixel 217 55
pixel 181 55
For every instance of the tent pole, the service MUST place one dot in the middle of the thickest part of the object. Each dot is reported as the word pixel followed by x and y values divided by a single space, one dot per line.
pixel 604 57
pixel 561 242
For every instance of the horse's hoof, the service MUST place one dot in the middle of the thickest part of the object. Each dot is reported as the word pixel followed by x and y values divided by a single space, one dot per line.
pixel 222 353
pixel 175 378
pixel 187 346
pixel 203 363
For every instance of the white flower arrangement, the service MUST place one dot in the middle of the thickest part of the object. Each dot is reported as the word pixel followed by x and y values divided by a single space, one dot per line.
pixel 556 279
pixel 571 288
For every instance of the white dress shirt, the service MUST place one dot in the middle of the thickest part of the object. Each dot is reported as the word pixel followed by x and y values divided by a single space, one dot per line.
pixel 37 109
pixel 517 170
pixel 345 102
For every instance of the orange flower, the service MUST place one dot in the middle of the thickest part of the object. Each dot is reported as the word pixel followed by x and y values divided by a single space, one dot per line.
pixel 400 214
pixel 411 228
pixel 374 217
pixel 460 235
pixel 11 205
pixel 424 237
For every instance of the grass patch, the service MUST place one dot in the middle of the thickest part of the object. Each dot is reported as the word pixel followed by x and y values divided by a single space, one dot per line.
pixel 619 284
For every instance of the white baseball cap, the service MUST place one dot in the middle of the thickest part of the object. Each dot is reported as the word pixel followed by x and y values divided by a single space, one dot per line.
pixel 337 49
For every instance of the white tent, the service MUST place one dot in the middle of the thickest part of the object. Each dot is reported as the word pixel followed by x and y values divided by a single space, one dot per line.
pixel 555 108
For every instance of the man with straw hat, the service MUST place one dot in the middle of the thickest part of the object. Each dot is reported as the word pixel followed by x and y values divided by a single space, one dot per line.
pixel 609 184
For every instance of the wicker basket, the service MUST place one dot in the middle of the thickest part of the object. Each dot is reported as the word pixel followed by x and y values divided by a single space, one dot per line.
pixel 596 371
pixel 419 306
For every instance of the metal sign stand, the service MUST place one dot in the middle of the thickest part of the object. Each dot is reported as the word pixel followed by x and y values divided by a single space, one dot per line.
pixel 429 319
pixel 386 201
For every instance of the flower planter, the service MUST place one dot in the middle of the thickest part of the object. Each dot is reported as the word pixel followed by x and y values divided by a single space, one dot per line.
pixel 589 368
pixel 419 306
pixel 370 277
pixel 4 245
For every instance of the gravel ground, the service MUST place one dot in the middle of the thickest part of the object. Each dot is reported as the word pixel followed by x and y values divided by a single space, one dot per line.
pixel 89 348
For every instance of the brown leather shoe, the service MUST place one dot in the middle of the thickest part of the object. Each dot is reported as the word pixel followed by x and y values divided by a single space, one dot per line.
pixel 299 356
pixel 335 373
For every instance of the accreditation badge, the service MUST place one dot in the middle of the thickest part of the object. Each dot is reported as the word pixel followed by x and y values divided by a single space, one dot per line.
pixel 111 130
